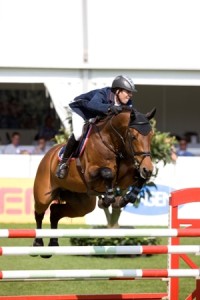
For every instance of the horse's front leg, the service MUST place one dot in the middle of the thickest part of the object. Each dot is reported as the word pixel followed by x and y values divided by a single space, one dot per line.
pixel 109 197
pixel 131 194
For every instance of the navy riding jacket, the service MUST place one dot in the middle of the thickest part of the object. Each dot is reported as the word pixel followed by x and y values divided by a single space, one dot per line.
pixel 94 103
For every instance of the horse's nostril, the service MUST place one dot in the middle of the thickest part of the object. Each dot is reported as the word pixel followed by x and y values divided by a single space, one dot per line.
pixel 147 173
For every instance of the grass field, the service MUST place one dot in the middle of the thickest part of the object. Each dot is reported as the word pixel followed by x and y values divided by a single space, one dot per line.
pixel 84 262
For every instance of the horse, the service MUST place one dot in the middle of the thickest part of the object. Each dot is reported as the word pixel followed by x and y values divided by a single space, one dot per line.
pixel 116 155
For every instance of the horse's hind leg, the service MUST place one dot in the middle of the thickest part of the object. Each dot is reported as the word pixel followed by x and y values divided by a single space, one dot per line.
pixel 56 213
pixel 39 241
pixel 39 215
pixel 54 222
pixel 38 219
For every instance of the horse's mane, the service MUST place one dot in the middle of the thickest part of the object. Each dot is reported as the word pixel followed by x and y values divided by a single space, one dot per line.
pixel 137 119
pixel 104 118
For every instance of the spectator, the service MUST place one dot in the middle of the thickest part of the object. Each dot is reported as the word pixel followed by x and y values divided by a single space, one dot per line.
pixel 41 147
pixel 182 151
pixel 14 146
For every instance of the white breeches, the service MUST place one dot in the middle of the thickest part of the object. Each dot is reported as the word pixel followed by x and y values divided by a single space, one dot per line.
pixel 77 125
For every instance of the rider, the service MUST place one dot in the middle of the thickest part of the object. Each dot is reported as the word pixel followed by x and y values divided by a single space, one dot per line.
pixel 95 103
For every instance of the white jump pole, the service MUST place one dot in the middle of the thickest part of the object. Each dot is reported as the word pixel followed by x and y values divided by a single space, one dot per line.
pixel 100 250
pixel 87 233
pixel 98 274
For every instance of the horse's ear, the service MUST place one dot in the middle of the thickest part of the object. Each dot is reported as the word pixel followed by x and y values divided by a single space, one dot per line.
pixel 151 114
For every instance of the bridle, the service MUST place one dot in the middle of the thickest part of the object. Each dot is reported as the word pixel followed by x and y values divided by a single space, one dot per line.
pixel 134 153
pixel 128 138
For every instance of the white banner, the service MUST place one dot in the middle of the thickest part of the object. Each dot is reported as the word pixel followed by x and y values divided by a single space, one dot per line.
pixel 154 208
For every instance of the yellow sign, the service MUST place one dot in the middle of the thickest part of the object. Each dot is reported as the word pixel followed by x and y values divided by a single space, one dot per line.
pixel 17 203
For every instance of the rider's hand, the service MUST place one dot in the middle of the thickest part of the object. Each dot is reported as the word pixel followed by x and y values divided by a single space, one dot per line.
pixel 115 109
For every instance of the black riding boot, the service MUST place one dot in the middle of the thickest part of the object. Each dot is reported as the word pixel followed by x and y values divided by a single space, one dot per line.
pixel 69 149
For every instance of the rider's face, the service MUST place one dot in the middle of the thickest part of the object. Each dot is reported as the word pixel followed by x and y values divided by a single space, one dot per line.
pixel 124 96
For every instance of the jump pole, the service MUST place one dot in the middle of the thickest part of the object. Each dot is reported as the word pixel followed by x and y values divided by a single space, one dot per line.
pixel 173 272
pixel 100 233
pixel 99 274
pixel 100 250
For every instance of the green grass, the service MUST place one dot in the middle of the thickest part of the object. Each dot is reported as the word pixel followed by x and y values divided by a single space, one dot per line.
pixel 84 262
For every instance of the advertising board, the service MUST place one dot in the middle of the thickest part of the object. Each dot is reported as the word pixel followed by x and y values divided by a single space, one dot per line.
pixel 17 203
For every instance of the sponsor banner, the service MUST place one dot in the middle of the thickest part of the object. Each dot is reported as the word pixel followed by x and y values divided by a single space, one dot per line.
pixel 16 200
pixel 17 203
pixel 154 206
pixel 153 209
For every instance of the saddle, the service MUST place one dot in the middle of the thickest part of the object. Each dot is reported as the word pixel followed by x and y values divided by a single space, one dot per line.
pixel 82 143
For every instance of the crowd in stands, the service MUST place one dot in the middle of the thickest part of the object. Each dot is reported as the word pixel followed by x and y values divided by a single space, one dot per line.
pixel 16 115
pixel 14 147
pixel 21 110
pixel 41 143
pixel 40 146
pixel 44 140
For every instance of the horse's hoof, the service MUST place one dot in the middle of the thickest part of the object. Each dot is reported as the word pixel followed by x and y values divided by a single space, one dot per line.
pixel 52 242
pixel 102 204
pixel 128 198
pixel 33 255
pixel 37 243
pixel 45 256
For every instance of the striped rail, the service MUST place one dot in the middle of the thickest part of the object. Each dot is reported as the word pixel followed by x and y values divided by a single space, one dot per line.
pixel 87 233
pixel 98 274
pixel 172 274
pixel 99 250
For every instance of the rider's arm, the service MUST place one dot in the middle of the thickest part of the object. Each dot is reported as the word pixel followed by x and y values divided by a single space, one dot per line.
pixel 99 102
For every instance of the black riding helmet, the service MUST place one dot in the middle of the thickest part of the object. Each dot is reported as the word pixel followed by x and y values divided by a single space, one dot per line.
pixel 124 82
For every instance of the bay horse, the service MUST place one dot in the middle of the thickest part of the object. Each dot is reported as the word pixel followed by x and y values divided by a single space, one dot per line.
pixel 117 155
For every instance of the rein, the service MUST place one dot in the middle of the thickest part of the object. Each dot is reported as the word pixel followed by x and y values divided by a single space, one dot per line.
pixel 118 154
